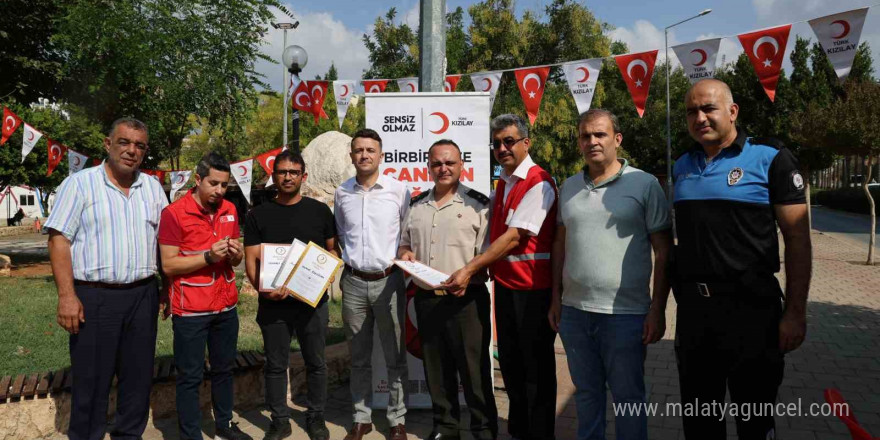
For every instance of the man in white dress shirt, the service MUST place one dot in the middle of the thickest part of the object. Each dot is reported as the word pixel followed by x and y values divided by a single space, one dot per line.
pixel 369 210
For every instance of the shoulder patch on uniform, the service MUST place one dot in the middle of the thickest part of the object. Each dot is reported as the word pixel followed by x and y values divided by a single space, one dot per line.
pixel 797 180
pixel 768 141
pixel 419 197
pixel 478 196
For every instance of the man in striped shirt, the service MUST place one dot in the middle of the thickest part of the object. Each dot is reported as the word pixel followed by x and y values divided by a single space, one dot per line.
pixel 103 250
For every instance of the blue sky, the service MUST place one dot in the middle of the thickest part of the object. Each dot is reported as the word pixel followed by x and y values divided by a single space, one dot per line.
pixel 331 30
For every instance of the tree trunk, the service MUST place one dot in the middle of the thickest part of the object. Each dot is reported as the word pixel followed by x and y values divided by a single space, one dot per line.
pixel 870 261
pixel 807 193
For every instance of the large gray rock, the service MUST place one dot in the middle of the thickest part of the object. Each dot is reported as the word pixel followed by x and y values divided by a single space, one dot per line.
pixel 328 165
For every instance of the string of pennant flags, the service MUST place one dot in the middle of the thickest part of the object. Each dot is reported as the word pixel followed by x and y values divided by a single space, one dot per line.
pixel 838 34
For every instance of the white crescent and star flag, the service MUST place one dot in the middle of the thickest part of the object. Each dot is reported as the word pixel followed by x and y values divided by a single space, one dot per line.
pixel 531 82
pixel 343 91
pixel 178 179
pixel 582 77
pixel 839 36
pixel 487 82
pixel 11 122
pixel 76 161
pixel 766 49
pixel 698 58
pixel 408 85
pixel 30 138
pixel 55 151
pixel 243 172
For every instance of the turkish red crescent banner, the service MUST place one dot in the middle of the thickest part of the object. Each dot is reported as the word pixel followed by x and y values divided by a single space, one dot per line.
pixel 318 90
pixel 56 152
pixel 375 85
pixel 637 70
pixel 839 36
pixel 531 87
pixel 408 85
pixel 487 82
pixel 267 160
pixel 451 83
pixel 158 174
pixel 765 49
pixel 75 161
pixel 11 122
pixel 302 98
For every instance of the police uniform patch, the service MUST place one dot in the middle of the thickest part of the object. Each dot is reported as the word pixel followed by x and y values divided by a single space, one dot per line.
pixel 734 176
pixel 797 180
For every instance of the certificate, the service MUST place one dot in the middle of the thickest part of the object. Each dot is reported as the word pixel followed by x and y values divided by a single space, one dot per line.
pixel 276 262
pixel 423 272
pixel 312 274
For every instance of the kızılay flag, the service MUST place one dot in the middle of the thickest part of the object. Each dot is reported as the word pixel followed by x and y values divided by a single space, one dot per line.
pixel 318 90
pixel 343 91
pixel 30 138
pixel 243 173
pixel 582 77
pixel 158 174
pixel 765 49
pixel 11 122
pixel 637 70
pixel 76 161
pixel 530 81
pixel 178 180
pixel 375 85
pixel 451 83
pixel 267 161
pixel 698 58
pixel 55 152
pixel 839 36
pixel 487 82
pixel 408 85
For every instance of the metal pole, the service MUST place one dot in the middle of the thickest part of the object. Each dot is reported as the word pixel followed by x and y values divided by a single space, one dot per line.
pixel 432 45
pixel 668 125
pixel 295 111
pixel 284 90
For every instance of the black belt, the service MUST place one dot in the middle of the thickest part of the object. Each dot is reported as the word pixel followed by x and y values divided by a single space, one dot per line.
pixel 708 290
pixel 372 275
pixel 102 285
pixel 733 289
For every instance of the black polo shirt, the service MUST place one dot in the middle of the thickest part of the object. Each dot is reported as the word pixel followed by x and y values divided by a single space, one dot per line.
pixel 725 221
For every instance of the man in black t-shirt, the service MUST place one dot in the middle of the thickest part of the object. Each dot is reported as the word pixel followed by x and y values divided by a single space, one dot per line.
pixel 287 217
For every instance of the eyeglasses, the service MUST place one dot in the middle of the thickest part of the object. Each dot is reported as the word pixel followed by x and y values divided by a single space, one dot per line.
pixel 508 142
pixel 292 173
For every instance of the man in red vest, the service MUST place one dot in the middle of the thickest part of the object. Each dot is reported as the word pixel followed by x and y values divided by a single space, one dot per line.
pixel 522 225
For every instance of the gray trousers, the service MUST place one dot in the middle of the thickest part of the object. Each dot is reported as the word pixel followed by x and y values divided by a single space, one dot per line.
pixel 381 303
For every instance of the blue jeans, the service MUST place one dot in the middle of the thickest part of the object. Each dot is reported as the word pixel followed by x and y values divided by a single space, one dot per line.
pixel 605 348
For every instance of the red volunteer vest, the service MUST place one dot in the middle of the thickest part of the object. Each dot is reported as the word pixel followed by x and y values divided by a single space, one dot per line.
pixel 526 267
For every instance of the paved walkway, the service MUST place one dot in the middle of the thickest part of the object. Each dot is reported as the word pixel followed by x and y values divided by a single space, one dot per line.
pixel 841 351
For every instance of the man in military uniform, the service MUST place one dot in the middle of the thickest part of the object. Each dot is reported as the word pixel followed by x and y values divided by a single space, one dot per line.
pixel 733 328
pixel 445 228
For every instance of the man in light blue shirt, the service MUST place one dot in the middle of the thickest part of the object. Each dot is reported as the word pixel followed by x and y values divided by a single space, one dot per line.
pixel 611 217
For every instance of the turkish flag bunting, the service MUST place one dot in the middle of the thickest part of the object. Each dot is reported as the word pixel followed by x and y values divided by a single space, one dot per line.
pixel 267 160
pixel 96 162
pixel 56 152
pixel 11 122
pixel 75 161
pixel 375 85
pixel 531 87
pixel 766 49
pixel 451 83
pixel 839 36
pixel 158 174
pixel 637 70
pixel 301 98
pixel 318 90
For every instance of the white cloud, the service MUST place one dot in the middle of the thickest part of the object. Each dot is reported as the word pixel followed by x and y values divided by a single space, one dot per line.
pixel 645 36
pixel 411 17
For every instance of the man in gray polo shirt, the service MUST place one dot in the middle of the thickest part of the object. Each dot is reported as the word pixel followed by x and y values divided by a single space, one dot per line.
pixel 611 216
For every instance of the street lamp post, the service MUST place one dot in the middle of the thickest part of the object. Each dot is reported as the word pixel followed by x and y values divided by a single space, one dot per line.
pixel 294 58
pixel 668 116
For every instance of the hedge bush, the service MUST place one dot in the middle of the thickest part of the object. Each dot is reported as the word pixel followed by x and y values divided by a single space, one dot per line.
pixel 849 199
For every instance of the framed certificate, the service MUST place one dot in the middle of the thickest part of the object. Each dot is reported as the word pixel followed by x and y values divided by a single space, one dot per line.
pixel 276 262
pixel 312 274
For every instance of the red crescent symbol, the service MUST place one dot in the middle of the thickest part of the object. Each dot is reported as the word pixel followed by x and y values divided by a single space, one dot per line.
pixel 412 87
pixel 344 87
pixel 30 136
pixel 243 170
pixel 586 74
pixel 179 178
pixel 703 57
pixel 445 123
pixel 845 32
pixel 488 84
pixel 76 161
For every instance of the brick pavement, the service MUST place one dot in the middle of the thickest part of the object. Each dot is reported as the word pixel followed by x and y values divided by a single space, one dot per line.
pixel 841 351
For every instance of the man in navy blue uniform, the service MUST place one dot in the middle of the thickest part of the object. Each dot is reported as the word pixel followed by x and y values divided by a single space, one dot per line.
pixel 734 323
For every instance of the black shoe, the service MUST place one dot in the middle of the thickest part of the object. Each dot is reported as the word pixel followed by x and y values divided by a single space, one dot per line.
pixel 316 428
pixel 231 433
pixel 278 431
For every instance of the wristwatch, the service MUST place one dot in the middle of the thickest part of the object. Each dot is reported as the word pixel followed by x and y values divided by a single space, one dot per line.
pixel 207 255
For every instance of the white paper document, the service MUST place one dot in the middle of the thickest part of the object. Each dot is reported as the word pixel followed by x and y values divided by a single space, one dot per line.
pixel 423 272
pixel 276 262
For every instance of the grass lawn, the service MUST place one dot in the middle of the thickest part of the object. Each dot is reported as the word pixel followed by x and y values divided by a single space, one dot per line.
pixel 33 342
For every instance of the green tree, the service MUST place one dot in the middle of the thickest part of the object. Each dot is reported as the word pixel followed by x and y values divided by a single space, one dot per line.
pixel 30 59
pixel 393 49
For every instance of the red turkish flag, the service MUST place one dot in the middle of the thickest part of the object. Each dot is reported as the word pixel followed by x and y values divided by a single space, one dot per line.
pixel 96 162
pixel 56 152
pixel 301 98
pixel 158 174
pixel 267 159
pixel 375 85
pixel 637 70
pixel 766 49
pixel 531 87
pixel 451 83
pixel 11 122
pixel 318 91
